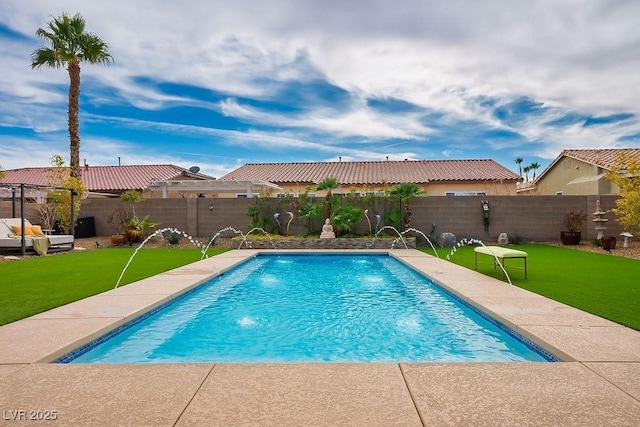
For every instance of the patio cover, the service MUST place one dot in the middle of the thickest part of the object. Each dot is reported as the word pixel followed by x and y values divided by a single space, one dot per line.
pixel 587 179
pixel 224 186
pixel 9 191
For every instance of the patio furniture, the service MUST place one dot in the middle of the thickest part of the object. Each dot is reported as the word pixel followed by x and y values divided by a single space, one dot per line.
pixel 11 235
pixel 499 253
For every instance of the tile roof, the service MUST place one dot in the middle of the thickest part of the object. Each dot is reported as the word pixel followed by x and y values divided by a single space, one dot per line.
pixel 605 158
pixel 392 172
pixel 105 178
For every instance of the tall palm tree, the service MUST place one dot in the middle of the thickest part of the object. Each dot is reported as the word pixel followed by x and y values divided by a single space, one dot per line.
pixel 534 166
pixel 519 163
pixel 329 184
pixel 406 191
pixel 70 45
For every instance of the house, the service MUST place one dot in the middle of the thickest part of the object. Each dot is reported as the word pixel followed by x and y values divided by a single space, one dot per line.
pixel 435 177
pixel 580 172
pixel 106 181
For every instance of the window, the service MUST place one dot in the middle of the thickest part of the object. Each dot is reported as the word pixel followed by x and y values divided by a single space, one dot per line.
pixel 292 194
pixel 558 193
pixel 465 193
pixel 241 195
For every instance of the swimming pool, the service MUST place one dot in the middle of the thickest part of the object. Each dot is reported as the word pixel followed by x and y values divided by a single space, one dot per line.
pixel 313 308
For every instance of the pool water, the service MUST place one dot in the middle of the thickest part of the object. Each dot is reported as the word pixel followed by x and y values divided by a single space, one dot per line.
pixel 313 308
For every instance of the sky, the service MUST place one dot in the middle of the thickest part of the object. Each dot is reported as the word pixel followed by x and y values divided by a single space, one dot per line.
pixel 218 84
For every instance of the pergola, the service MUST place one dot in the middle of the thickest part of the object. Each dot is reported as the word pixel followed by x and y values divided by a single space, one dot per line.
pixel 250 187
pixel 37 192
pixel 8 191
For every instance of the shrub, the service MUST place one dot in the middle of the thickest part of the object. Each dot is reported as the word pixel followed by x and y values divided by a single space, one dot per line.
pixel 345 219
pixel 573 220
pixel 516 239
pixel 174 238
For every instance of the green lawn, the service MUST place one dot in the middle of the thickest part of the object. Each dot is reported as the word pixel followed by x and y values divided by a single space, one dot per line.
pixel 38 284
pixel 602 284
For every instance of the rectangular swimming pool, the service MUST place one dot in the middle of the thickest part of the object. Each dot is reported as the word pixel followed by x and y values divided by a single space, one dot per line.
pixel 313 308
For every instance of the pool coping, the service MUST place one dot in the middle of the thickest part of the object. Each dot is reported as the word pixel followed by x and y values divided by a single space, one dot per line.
pixel 588 345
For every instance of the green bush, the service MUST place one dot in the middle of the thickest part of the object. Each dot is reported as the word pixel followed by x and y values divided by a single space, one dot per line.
pixel 345 218
pixel 174 238
pixel 516 239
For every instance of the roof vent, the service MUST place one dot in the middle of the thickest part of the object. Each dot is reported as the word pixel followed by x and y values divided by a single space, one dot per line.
pixel 194 169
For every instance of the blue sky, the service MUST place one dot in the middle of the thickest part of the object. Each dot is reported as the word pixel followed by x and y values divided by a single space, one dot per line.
pixel 218 84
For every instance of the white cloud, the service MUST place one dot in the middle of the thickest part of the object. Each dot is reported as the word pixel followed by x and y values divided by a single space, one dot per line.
pixel 360 121
pixel 573 56
pixel 19 152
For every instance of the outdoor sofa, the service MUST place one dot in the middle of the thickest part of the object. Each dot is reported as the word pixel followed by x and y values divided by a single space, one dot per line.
pixel 11 236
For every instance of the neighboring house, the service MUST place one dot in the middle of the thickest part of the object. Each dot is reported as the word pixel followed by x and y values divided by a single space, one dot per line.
pixel 579 172
pixel 108 181
pixel 435 177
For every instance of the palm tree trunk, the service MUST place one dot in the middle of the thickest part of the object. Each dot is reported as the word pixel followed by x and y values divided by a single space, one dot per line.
pixel 74 126
pixel 327 208
pixel 406 223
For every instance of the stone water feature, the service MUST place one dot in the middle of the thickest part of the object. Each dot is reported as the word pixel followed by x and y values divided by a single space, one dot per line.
pixel 600 221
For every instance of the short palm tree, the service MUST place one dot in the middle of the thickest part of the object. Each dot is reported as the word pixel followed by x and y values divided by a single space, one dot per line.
pixel 406 191
pixel 328 184
pixel 526 170
pixel 70 45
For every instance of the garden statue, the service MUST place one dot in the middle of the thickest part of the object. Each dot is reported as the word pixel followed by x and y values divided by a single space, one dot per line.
pixel 327 230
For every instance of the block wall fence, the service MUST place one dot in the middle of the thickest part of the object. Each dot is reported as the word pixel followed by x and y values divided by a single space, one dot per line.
pixel 534 218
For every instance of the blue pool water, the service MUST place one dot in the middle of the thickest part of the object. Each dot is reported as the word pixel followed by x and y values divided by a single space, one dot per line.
pixel 313 308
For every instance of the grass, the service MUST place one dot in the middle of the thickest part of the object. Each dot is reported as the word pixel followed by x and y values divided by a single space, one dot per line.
pixel 34 285
pixel 602 284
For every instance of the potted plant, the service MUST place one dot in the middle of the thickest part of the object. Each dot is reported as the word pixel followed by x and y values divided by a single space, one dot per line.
pixel 572 223
pixel 118 221
pixel 136 227
pixel 608 242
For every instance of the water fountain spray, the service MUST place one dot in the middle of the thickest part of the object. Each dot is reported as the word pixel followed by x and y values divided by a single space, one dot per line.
pixel 155 233
pixel 400 237
pixel 465 242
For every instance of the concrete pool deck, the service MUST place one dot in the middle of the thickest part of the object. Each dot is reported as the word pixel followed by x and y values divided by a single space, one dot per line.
pixel 598 382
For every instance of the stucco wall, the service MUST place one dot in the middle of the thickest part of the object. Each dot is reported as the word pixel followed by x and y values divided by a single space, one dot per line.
pixel 567 170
